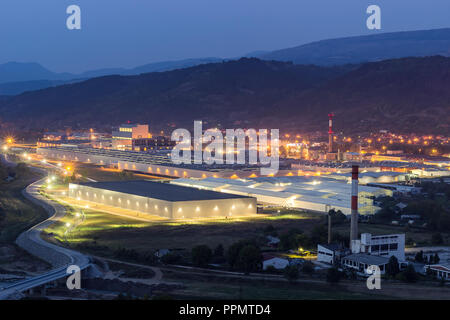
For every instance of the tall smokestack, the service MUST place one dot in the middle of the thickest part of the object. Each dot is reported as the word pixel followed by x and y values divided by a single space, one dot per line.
pixel 330 132
pixel 354 217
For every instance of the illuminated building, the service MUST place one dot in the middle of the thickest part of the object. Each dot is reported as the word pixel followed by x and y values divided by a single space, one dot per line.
pixel 163 199
pixel 122 138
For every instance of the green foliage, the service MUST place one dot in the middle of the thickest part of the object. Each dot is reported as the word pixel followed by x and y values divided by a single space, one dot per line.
pixel 233 252
pixel 291 272
pixel 392 268
pixel 249 259
pixel 171 258
pixel 333 275
pixel 436 238
pixel 308 267
pixel 409 275
pixel 430 210
pixel 201 255
pixel 219 250
pixel 419 257
pixel 337 217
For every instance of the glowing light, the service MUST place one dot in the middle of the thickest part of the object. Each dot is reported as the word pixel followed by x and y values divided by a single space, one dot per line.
pixel 67 224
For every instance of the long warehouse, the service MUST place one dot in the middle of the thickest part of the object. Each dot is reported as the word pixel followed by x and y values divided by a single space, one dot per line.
pixel 162 199
pixel 309 193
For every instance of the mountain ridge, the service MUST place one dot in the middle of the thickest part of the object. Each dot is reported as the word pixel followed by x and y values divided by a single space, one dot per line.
pixel 397 94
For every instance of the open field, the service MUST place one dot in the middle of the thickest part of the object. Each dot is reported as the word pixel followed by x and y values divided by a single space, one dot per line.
pixel 257 289
pixel 111 232
pixel 16 213
pixel 414 236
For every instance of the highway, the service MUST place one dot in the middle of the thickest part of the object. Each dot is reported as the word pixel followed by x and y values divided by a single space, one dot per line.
pixel 31 241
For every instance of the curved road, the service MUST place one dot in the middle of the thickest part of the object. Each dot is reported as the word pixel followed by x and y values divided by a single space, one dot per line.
pixel 30 240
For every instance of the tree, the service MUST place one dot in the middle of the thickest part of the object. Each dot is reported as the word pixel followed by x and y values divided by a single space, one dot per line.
pixel 333 275
pixel 233 252
pixel 436 258
pixel 436 238
pixel 201 255
pixel 249 259
pixel 308 267
pixel 392 268
pixel 219 251
pixel 171 258
pixel 409 275
pixel 419 257
pixel 291 273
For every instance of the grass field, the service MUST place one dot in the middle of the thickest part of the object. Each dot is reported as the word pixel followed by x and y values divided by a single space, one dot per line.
pixel 414 236
pixel 261 290
pixel 16 213
pixel 111 232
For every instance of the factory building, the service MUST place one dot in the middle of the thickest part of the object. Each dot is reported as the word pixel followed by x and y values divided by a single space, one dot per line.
pixel 163 199
pixel 361 263
pixel 383 245
pixel 158 164
pixel 308 193
pixel 366 177
pixel 122 139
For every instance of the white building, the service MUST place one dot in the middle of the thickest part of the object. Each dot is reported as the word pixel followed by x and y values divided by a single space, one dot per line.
pixel 330 253
pixel 439 270
pixel 163 199
pixel 276 262
pixel 123 138
pixel 309 193
pixel 384 245
pixel 361 262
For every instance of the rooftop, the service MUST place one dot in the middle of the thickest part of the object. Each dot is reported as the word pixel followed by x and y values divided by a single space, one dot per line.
pixel 159 190
pixel 367 259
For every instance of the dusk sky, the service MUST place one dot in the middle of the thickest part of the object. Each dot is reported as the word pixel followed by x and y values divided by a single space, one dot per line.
pixel 128 33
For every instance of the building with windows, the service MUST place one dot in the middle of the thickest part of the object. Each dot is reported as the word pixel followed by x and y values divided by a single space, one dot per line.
pixel 361 262
pixel 163 199
pixel 439 270
pixel 330 253
pixel 383 245
pixel 122 139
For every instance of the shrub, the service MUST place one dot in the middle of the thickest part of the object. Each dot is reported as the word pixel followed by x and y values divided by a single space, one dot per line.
pixel 201 255
pixel 333 275
pixel 291 273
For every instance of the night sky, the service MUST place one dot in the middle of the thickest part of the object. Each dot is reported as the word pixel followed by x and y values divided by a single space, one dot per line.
pixel 128 33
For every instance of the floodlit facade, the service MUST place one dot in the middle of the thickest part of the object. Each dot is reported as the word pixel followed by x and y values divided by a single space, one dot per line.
pixel 123 137
pixel 308 193
pixel 163 199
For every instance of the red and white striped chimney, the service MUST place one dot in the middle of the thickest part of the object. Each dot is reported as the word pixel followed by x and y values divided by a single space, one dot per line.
pixel 354 216
pixel 330 132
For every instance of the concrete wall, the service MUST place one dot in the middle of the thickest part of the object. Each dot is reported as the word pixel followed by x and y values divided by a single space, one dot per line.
pixel 166 209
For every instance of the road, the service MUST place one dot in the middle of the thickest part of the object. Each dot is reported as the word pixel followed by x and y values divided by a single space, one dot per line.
pixel 30 240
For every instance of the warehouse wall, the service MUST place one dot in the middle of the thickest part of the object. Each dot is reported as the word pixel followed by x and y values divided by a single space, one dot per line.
pixel 166 209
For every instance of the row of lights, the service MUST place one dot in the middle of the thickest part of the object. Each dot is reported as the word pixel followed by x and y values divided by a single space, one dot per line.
pixel 197 209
